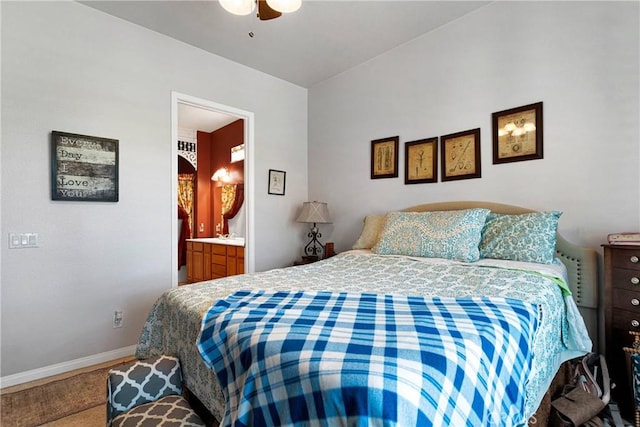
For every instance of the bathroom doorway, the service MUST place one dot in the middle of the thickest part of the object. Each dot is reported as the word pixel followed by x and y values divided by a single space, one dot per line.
pixel 192 119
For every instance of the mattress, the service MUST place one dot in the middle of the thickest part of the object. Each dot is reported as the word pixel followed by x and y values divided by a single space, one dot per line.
pixel 175 320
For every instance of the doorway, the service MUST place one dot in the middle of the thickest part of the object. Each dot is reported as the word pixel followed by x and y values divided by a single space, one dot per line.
pixel 230 114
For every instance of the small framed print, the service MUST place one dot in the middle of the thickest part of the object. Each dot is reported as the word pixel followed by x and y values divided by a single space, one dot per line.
pixel 460 155
pixel 421 161
pixel 384 158
pixel 517 134
pixel 277 181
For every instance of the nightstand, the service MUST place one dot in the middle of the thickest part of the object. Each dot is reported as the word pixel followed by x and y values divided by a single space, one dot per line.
pixel 306 260
pixel 621 314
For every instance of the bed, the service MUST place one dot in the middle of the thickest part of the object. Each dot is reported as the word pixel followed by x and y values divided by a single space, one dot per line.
pixel 541 315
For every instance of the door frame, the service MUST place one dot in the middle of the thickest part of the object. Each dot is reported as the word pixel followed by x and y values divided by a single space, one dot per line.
pixel 249 173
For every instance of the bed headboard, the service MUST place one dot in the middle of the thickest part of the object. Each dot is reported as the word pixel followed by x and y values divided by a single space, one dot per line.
pixel 581 262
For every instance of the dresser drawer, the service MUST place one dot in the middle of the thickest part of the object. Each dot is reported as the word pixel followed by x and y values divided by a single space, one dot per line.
pixel 625 279
pixel 623 322
pixel 626 258
pixel 220 249
pixel 626 300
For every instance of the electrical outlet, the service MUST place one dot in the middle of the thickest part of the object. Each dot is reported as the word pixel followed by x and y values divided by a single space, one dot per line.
pixel 118 319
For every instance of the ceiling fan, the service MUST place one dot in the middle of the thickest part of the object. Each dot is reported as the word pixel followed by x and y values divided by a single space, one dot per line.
pixel 267 9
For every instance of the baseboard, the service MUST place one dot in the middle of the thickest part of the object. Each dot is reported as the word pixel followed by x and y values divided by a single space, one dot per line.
pixel 60 368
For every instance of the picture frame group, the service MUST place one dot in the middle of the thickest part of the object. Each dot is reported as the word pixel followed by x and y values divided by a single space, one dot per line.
pixel 517 136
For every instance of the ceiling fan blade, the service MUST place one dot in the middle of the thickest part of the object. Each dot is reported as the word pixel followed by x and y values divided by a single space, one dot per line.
pixel 265 12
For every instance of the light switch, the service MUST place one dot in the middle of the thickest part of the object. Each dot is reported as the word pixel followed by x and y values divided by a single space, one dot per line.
pixel 23 240
pixel 14 240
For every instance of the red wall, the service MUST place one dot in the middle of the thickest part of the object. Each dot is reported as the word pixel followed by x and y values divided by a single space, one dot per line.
pixel 224 139
pixel 214 152
pixel 202 203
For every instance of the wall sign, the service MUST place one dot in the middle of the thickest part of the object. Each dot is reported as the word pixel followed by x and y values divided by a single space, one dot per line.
pixel 83 168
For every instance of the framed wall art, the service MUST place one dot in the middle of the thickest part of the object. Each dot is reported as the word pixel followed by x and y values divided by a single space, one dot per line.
pixel 277 181
pixel 460 155
pixel 517 134
pixel 83 168
pixel 421 161
pixel 384 158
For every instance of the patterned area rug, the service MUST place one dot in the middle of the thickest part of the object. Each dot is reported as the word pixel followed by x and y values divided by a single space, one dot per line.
pixel 34 406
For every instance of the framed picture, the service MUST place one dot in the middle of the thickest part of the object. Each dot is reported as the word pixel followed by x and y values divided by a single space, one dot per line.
pixel 517 134
pixel 460 155
pixel 277 181
pixel 83 168
pixel 421 161
pixel 384 158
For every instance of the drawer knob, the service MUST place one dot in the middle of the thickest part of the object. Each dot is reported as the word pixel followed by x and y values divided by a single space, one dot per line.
pixel 634 259
pixel 635 280
pixel 635 301
pixel 635 323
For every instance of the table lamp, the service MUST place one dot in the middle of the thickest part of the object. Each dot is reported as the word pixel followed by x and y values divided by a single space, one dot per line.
pixel 314 213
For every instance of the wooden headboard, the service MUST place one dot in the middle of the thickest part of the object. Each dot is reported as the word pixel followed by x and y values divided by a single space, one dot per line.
pixel 581 262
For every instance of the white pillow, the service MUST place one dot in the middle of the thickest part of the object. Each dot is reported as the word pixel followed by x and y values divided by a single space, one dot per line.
pixel 373 225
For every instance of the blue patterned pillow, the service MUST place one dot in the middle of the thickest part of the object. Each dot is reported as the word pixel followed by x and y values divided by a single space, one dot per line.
pixel 441 234
pixel 529 237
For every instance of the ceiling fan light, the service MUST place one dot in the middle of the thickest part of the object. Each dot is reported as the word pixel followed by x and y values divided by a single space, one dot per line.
pixel 285 6
pixel 238 7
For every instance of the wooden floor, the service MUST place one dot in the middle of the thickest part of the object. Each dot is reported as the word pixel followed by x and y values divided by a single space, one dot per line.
pixel 94 416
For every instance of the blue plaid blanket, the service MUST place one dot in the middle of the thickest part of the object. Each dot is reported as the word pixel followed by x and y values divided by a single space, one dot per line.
pixel 336 358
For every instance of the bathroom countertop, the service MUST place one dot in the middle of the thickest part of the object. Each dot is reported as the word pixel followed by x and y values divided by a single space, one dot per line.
pixel 231 241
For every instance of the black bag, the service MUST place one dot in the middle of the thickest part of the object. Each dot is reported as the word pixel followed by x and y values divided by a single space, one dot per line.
pixel 585 396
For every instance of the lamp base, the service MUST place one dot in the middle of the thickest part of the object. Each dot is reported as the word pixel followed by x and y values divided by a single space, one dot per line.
pixel 314 248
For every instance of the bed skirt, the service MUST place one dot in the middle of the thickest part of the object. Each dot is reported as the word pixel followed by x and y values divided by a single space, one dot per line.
pixel 542 415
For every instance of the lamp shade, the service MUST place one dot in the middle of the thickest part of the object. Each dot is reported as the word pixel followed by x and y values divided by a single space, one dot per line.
pixel 316 212
pixel 238 7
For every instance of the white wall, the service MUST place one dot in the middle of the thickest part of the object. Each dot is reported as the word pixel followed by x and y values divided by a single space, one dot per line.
pixel 70 68
pixel 579 58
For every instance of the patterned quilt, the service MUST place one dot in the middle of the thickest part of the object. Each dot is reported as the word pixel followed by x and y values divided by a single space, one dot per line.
pixel 337 358
pixel 174 322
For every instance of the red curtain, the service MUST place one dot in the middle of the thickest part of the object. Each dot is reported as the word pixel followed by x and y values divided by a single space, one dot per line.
pixel 237 204
pixel 185 233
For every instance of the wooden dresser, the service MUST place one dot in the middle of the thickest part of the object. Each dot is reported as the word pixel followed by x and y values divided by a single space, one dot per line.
pixel 621 314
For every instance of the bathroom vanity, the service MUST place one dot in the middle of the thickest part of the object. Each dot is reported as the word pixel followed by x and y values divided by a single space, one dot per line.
pixel 213 258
